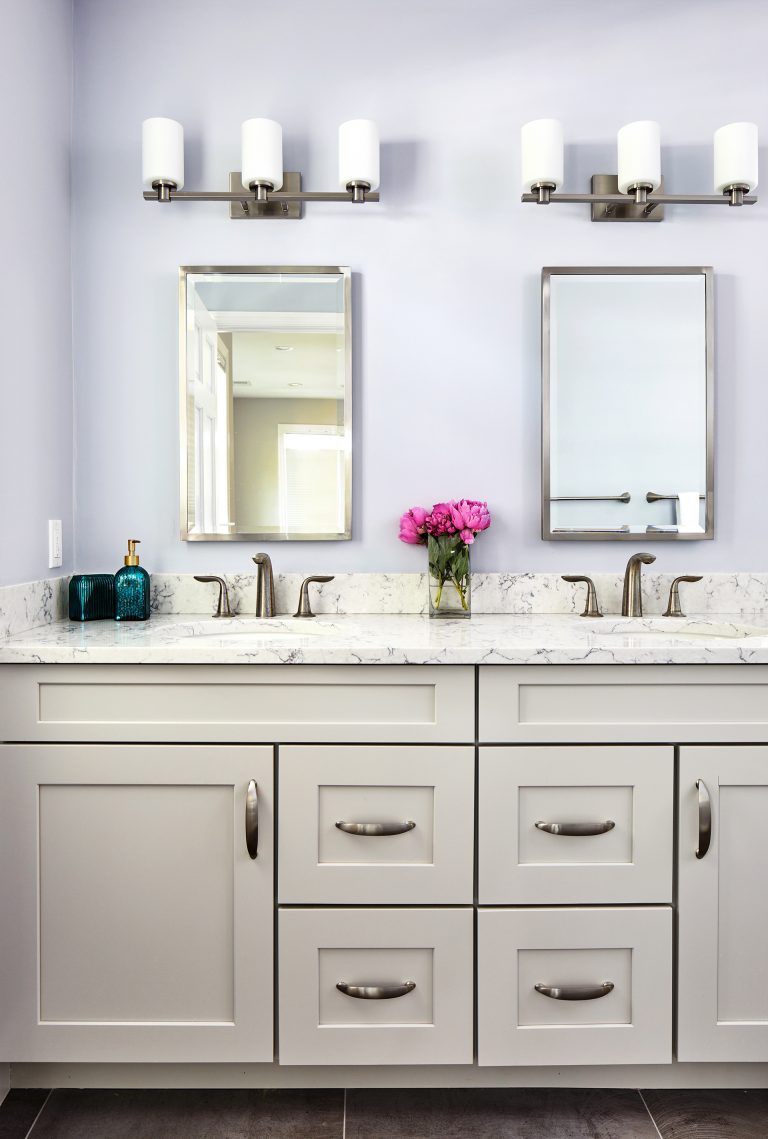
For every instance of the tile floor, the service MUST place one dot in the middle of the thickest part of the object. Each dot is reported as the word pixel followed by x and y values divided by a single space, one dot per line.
pixel 515 1113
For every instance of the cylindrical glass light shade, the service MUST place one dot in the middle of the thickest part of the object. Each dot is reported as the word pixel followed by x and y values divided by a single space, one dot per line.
pixel 736 156
pixel 542 154
pixel 262 153
pixel 639 146
pixel 359 153
pixel 162 152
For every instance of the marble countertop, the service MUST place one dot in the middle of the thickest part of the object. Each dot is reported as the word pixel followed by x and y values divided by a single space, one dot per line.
pixel 398 639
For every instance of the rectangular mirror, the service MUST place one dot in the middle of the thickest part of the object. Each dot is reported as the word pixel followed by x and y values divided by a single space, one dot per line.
pixel 266 409
pixel 628 407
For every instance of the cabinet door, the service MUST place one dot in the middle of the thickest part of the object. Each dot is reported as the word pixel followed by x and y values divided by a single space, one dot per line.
pixel 723 904
pixel 137 923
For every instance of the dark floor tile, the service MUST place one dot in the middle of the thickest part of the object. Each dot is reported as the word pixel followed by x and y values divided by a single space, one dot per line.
pixel 182 1114
pixel 709 1114
pixel 497 1113
pixel 18 1111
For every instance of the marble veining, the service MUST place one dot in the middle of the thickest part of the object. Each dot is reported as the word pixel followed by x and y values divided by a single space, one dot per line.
pixel 491 593
pixel 31 604
pixel 396 639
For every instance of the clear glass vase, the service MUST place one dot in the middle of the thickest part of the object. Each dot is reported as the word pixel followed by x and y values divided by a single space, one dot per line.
pixel 449 577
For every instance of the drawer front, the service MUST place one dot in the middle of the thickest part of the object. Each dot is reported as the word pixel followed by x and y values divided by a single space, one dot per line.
pixel 624 704
pixel 530 796
pixel 237 703
pixel 423 955
pixel 424 796
pixel 618 961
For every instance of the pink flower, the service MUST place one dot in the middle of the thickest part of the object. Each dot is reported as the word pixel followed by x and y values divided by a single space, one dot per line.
pixel 469 518
pixel 413 528
pixel 440 520
pixel 465 518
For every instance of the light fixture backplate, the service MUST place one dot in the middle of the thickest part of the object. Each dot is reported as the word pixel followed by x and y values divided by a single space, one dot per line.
pixel 256 211
pixel 609 184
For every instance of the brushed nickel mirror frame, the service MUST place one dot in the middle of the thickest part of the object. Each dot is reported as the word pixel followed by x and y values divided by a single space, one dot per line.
pixel 604 535
pixel 345 273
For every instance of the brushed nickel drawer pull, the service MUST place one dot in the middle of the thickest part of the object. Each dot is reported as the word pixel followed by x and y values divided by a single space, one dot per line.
pixel 575 992
pixel 577 829
pixel 376 992
pixel 252 819
pixel 376 830
pixel 705 819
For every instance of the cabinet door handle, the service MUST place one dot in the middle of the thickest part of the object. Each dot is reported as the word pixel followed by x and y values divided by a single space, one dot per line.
pixel 705 819
pixel 375 992
pixel 577 829
pixel 252 819
pixel 376 830
pixel 575 992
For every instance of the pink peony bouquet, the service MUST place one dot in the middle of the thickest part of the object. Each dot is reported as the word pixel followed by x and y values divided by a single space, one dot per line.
pixel 448 530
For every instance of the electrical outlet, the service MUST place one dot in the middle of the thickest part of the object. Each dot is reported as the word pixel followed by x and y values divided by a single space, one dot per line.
pixel 54 543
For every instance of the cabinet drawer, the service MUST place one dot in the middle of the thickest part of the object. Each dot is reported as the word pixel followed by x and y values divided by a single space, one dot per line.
pixel 572 951
pixel 424 795
pixel 626 704
pixel 238 703
pixel 424 954
pixel 524 790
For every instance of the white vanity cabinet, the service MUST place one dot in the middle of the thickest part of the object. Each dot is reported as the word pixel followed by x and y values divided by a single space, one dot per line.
pixel 723 904
pixel 137 917
pixel 475 867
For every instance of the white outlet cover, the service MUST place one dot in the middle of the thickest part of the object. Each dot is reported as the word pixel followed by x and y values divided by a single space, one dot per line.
pixel 55 555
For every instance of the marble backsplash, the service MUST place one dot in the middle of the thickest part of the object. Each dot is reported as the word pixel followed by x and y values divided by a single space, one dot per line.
pixel 27 606
pixel 31 604
pixel 491 593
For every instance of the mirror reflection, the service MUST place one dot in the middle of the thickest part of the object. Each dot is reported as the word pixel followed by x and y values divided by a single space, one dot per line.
pixel 266 409
pixel 628 403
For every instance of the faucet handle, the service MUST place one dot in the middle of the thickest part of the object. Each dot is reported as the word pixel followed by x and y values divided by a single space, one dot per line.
pixel 305 609
pixel 222 609
pixel 673 605
pixel 592 609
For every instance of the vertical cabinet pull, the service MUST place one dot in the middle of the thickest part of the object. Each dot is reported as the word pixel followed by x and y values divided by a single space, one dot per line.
pixel 252 819
pixel 705 819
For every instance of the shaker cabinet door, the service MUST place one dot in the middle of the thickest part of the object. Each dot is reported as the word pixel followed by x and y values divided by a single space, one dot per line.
pixel 723 905
pixel 137 903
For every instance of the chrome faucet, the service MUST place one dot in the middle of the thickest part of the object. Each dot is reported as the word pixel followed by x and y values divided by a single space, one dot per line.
pixel 265 586
pixel 632 598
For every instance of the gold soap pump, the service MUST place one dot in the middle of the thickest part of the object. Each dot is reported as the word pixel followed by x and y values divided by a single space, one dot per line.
pixel 132 587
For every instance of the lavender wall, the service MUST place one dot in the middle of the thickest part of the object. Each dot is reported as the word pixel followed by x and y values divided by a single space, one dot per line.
pixel 447 267
pixel 36 446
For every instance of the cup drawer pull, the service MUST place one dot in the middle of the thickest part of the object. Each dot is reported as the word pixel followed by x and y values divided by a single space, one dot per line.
pixel 376 830
pixel 376 992
pixel 579 830
pixel 575 992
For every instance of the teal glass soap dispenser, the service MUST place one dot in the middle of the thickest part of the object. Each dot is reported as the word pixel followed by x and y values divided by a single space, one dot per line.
pixel 132 588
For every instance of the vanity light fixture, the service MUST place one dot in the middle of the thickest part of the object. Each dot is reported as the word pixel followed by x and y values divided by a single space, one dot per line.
pixel 261 188
pixel 636 193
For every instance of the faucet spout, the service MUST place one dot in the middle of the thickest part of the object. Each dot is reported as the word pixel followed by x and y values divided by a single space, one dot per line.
pixel 632 598
pixel 265 586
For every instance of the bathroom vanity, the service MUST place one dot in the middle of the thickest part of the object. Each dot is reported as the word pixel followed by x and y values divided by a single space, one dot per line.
pixel 522 851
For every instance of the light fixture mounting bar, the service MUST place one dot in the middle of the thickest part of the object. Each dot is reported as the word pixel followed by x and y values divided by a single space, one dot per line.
pixel 609 205
pixel 620 199
pixel 284 203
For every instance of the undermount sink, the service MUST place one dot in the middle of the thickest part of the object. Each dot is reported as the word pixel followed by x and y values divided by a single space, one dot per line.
pixel 255 628
pixel 679 627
